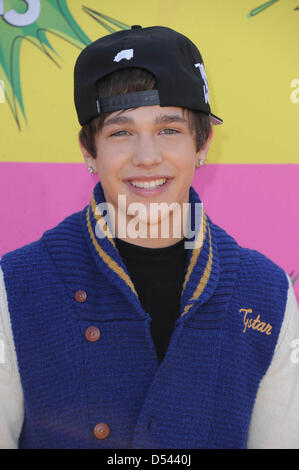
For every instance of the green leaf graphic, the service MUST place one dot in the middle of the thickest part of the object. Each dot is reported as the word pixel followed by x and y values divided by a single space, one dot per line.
pixel 53 16
pixel 261 8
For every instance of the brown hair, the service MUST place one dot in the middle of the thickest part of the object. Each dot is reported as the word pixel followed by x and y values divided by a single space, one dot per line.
pixel 135 79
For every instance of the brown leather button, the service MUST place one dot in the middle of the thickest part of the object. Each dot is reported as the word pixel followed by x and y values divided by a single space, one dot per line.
pixel 80 295
pixel 92 334
pixel 101 431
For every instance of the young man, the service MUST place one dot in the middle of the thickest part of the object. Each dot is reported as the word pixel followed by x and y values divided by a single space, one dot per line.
pixel 125 338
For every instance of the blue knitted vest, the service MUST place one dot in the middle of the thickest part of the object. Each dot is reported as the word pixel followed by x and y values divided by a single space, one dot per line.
pixel 200 396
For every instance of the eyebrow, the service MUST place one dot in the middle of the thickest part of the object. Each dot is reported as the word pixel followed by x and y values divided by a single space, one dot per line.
pixel 170 118
pixel 164 118
pixel 118 120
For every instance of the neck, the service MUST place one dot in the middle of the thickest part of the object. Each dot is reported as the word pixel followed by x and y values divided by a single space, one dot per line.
pixel 165 231
pixel 152 242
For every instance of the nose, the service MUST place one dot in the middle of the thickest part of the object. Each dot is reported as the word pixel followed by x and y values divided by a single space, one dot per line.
pixel 146 153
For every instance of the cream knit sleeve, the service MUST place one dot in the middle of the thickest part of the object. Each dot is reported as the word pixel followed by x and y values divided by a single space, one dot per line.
pixel 11 395
pixel 275 418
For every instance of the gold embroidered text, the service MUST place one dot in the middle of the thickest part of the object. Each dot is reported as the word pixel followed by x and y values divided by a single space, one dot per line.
pixel 255 323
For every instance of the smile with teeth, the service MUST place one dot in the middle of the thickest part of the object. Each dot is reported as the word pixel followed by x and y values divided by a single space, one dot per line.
pixel 149 184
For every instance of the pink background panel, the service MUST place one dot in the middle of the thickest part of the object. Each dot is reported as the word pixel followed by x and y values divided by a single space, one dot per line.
pixel 256 204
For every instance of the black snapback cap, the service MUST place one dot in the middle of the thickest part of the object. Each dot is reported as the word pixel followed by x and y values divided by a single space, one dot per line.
pixel 170 56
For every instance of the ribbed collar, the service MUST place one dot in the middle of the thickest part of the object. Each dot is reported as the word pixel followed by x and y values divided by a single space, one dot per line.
pixel 202 270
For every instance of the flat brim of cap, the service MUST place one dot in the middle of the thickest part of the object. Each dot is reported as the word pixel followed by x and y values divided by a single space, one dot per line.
pixel 215 120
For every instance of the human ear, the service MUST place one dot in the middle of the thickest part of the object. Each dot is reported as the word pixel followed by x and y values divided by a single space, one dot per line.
pixel 89 160
pixel 203 151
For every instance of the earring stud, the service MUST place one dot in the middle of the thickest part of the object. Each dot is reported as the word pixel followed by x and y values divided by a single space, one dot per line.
pixel 91 170
pixel 201 162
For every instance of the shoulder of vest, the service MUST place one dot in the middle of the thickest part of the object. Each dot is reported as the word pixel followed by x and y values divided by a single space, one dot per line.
pixel 22 257
pixel 32 254
pixel 66 229
pixel 265 284
pixel 261 267
pixel 251 261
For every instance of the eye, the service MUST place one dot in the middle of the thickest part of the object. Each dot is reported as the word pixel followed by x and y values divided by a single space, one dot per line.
pixel 119 134
pixel 169 131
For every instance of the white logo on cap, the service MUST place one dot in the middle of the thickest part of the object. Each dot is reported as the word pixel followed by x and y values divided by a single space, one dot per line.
pixel 204 77
pixel 124 54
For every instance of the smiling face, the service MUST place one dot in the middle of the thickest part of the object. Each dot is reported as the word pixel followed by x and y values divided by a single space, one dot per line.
pixel 147 154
